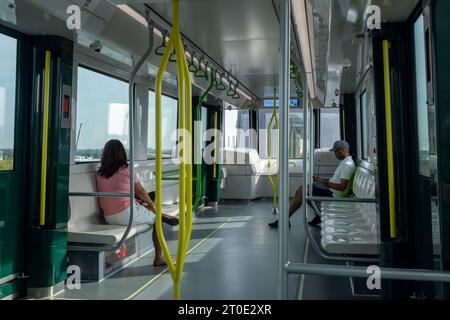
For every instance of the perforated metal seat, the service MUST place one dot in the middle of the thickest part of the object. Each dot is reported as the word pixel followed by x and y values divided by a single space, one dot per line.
pixel 352 228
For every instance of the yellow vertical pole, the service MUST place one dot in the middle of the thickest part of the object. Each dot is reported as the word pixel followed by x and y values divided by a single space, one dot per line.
pixel 45 122
pixel 389 138
pixel 185 154
pixel 158 158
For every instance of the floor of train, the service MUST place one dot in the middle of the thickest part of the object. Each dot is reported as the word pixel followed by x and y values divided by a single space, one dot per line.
pixel 232 255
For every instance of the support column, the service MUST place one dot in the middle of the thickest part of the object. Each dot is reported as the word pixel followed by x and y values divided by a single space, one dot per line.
pixel 285 14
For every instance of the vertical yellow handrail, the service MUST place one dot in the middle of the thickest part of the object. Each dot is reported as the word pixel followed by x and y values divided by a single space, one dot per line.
pixel 389 138
pixel 185 155
pixel 269 138
pixel 48 58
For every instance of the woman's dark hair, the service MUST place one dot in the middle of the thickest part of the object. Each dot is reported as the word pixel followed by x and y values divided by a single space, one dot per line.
pixel 114 157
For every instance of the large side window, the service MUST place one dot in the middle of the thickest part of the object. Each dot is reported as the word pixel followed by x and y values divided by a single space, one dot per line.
pixel 8 67
pixel 237 133
pixel 295 133
pixel 102 114
pixel 169 126
pixel 330 130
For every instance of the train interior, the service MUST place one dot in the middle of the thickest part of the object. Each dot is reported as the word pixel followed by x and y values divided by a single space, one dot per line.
pixel 369 72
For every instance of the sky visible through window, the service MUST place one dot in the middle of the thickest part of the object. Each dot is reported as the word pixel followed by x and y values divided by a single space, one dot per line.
pixel 8 66
pixel 102 113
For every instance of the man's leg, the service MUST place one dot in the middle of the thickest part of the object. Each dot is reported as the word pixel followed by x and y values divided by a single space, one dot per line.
pixel 296 202
pixel 319 190
pixel 159 258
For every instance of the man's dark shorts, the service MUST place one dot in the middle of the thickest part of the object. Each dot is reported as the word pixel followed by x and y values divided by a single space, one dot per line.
pixel 321 190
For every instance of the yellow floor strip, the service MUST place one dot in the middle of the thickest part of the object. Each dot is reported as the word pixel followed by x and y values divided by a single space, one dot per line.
pixel 302 279
pixel 138 291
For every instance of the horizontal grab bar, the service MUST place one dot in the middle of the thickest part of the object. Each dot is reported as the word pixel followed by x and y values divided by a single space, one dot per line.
pixel 361 272
pixel 99 194
pixel 344 200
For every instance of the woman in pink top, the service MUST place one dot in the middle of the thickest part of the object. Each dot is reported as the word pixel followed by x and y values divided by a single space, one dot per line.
pixel 114 177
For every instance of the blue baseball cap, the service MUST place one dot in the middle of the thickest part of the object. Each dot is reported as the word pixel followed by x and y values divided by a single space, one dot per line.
pixel 341 144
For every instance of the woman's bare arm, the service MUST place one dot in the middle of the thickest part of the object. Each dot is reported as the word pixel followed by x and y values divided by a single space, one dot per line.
pixel 142 195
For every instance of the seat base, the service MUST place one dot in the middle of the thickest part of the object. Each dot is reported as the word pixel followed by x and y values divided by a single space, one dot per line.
pixel 96 265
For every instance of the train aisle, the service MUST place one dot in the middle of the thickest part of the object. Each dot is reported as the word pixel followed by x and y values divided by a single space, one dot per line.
pixel 232 255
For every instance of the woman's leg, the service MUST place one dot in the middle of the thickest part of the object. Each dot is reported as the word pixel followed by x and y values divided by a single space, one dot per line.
pixel 159 257
pixel 144 216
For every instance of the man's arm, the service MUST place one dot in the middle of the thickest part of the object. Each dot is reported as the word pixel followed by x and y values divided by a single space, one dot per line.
pixel 339 186
pixel 321 180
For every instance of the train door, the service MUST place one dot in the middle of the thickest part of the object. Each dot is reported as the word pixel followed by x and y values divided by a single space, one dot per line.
pixel 440 44
pixel 12 165
pixel 407 151
pixel 425 137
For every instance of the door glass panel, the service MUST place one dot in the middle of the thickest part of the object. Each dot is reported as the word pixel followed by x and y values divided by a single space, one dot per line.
pixel 8 66
pixel 421 97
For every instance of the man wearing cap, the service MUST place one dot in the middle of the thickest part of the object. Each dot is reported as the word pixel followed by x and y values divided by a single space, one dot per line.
pixel 334 187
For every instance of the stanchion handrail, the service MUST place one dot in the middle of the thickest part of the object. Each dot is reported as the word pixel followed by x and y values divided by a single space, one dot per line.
pixel 274 117
pixel 99 194
pixel 185 127
pixel 421 275
pixel 45 124
pixel 342 200
pixel 283 167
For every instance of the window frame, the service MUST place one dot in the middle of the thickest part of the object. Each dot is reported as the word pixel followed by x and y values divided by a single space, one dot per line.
pixel 17 99
pixel 100 71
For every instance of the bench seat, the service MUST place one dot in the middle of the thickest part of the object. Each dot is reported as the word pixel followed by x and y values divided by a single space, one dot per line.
pixel 248 176
pixel 97 231
pixel 102 234
pixel 87 225
pixel 352 228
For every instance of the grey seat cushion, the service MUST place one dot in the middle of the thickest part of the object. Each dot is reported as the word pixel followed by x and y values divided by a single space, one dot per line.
pixel 102 233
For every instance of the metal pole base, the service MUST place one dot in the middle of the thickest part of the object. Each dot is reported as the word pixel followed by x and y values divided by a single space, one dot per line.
pixel 275 211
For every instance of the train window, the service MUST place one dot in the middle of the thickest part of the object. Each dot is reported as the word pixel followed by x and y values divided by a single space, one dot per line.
pixel 421 96
pixel 329 127
pixel 102 113
pixel 8 65
pixel 364 125
pixel 169 126
pixel 294 103
pixel 295 133
pixel 236 131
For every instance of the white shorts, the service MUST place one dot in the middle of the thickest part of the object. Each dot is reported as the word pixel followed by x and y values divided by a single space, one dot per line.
pixel 141 215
